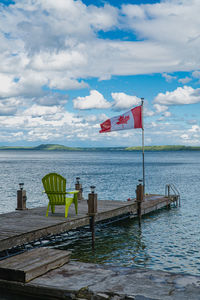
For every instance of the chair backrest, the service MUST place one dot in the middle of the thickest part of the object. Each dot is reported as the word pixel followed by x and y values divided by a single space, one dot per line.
pixel 55 188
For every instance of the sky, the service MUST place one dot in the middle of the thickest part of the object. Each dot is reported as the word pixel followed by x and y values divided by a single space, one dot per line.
pixel 67 66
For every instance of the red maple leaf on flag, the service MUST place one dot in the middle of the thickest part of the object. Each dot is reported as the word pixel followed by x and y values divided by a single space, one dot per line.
pixel 123 120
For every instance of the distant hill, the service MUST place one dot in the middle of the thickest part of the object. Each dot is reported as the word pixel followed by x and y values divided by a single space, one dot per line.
pixel 164 148
pixel 53 147
pixel 56 147
pixel 42 147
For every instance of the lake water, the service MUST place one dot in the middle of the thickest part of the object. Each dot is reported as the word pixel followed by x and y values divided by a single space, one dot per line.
pixel 168 240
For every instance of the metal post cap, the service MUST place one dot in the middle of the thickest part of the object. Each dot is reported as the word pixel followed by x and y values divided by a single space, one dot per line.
pixel 21 185
pixel 92 188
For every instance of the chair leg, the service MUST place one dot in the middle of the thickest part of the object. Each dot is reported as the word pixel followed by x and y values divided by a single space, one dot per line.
pixel 47 210
pixel 68 202
pixel 76 203
pixel 66 209
pixel 53 209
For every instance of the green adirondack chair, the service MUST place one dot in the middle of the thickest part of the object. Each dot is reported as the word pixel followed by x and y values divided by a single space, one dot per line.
pixel 55 188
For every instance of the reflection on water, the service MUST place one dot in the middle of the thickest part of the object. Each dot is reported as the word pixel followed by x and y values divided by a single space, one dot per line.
pixel 119 243
pixel 168 240
pixel 114 243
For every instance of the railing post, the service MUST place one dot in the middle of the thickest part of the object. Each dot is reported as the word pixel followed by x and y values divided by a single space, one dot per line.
pixel 168 195
pixel 168 190
pixel 139 199
pixel 78 187
pixel 92 210
pixel 21 198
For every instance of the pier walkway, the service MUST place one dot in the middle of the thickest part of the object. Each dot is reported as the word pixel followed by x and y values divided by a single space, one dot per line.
pixel 21 227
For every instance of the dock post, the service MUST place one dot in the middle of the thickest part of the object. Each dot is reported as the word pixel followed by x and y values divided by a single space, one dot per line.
pixel 78 187
pixel 168 195
pixel 21 198
pixel 139 199
pixel 92 210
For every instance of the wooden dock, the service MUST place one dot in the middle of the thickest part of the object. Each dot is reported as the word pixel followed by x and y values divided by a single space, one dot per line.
pixel 22 227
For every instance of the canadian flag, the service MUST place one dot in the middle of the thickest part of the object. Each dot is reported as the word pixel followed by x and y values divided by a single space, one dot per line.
pixel 130 119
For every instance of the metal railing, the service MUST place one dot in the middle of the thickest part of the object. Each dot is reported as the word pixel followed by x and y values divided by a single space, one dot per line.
pixel 171 190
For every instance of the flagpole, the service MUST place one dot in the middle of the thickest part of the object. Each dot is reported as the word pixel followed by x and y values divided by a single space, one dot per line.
pixel 142 105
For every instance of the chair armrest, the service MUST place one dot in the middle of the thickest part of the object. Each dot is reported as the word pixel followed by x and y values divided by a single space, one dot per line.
pixel 72 192
pixel 55 193
pixel 61 193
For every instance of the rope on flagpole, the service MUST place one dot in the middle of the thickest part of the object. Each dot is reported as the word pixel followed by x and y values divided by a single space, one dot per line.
pixel 143 169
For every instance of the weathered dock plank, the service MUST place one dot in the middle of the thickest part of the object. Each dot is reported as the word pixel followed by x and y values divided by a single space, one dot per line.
pixel 31 264
pixel 21 227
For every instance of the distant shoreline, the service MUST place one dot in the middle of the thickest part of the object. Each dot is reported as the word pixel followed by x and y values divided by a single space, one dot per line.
pixel 56 147
pixel 165 148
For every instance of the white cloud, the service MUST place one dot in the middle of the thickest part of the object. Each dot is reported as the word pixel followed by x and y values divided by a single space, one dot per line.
pixel 95 118
pixel 102 117
pixel 103 18
pixel 185 136
pixel 159 21
pixel 180 96
pixel 195 128
pixel 147 111
pixel 46 61
pixel 133 11
pixel 185 80
pixel 44 123
pixel 38 111
pixel 51 99
pixel 50 40
pixel 9 106
pixel 167 114
pixel 168 77
pixel 124 101
pixel 94 100
pixel 7 85
pixel 191 136
pixel 196 74
pixel 193 121
pixel 172 24
pixel 27 85
pixel 91 118
pixel 58 42
pixel 153 124
pixel 160 108
pixel 64 83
